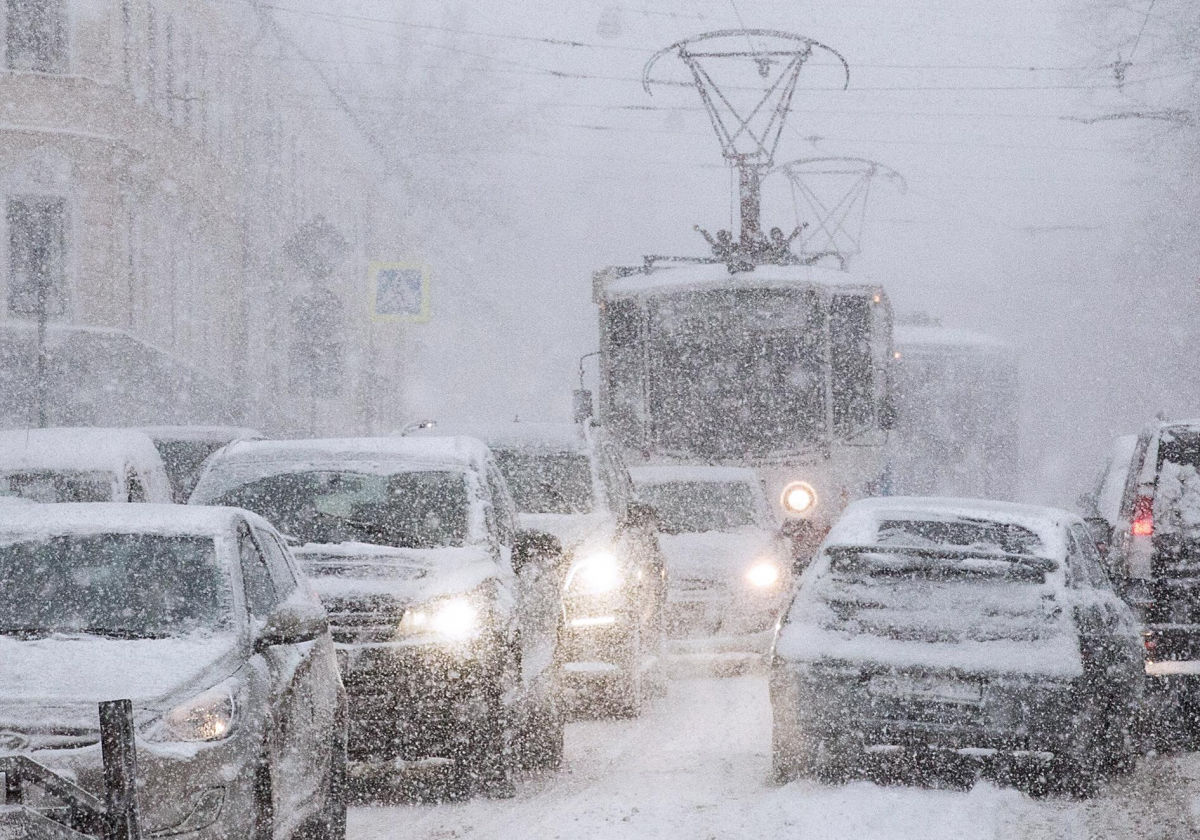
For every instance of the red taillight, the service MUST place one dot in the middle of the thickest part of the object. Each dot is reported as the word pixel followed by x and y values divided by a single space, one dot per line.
pixel 1143 517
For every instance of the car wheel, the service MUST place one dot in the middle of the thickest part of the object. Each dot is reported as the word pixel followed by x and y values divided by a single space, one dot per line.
pixel 264 803
pixel 542 742
pixel 330 824
pixel 485 761
pixel 793 757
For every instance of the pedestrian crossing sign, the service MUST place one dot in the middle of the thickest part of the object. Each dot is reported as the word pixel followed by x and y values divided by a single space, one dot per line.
pixel 399 292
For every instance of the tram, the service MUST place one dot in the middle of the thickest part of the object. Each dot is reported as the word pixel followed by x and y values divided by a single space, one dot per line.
pixel 784 368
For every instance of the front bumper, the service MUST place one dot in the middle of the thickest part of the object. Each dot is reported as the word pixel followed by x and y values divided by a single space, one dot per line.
pixel 708 617
pixel 193 791
pixel 977 715
pixel 410 702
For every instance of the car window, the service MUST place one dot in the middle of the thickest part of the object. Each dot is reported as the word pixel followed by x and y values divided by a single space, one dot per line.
pixel 1084 567
pixel 136 490
pixel 501 505
pixel 261 595
pixel 277 564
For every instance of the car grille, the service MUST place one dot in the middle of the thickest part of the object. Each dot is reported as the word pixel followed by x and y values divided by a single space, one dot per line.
pixel 364 620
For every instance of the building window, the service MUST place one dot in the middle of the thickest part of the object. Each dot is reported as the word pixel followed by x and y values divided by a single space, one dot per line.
pixel 37 255
pixel 37 35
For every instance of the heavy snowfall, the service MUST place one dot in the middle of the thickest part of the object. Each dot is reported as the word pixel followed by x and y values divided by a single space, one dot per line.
pixel 599 419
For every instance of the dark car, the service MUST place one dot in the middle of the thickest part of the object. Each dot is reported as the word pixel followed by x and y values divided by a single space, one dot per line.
pixel 568 481
pixel 199 617
pixel 184 449
pixel 970 630
pixel 1147 512
pixel 446 618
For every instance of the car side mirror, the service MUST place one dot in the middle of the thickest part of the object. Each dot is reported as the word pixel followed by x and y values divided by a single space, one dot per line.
pixel 641 515
pixel 535 548
pixel 292 623
pixel 1101 532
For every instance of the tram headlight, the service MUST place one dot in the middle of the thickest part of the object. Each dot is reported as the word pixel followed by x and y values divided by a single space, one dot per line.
pixel 799 497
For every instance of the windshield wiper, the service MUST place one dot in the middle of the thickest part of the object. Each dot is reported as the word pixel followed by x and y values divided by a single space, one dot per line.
pixel 116 633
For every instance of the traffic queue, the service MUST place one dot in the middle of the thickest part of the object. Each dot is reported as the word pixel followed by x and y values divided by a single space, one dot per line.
pixel 326 614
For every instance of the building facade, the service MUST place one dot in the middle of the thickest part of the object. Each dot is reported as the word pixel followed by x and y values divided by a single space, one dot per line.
pixel 181 172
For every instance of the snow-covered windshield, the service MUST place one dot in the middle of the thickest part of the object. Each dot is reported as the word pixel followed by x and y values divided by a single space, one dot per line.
pixel 696 506
pixel 136 586
pixel 1177 496
pixel 422 509
pixel 58 485
pixel 959 533
pixel 559 482
pixel 724 373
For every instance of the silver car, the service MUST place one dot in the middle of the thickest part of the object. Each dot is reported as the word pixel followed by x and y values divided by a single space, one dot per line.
pixel 199 616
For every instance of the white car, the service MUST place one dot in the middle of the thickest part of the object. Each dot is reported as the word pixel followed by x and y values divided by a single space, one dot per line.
pixel 728 566
pixel 568 481
pixel 200 618
pixel 82 465
pixel 445 616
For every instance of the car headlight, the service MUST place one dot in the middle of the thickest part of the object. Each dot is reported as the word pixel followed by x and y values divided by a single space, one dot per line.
pixel 763 574
pixel 209 716
pixel 595 574
pixel 798 497
pixel 451 619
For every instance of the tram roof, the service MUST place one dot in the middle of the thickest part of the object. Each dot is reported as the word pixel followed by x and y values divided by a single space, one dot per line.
pixel 668 277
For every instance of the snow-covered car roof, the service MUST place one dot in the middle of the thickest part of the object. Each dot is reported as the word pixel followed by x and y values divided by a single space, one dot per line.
pixel 536 436
pixel 243 461
pixel 214 434
pixel 910 336
pixel 663 474
pixel 108 450
pixel 120 518
pixel 434 451
pixel 666 278
pixel 860 522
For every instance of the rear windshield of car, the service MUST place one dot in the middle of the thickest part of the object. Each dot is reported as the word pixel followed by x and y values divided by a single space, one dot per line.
pixel 1177 496
pixel 935 594
pixel 133 586
pixel 420 509
pixel 696 506
pixel 547 483
pixel 975 534
pixel 58 485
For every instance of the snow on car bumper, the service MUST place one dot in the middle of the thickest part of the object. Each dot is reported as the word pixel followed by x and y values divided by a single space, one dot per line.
pixel 193 791
pixel 411 702
pixel 967 714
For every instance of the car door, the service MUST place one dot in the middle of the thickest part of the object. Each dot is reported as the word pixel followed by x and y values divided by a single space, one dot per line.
pixel 1111 630
pixel 302 698
pixel 538 599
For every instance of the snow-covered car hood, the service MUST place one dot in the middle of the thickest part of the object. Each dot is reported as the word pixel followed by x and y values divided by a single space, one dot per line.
pixel 406 575
pixel 61 678
pixel 575 531
pixel 715 555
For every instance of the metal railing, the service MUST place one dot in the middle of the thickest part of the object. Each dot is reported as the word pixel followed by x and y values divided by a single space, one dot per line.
pixel 65 811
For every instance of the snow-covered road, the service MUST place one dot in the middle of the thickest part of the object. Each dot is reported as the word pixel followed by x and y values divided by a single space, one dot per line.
pixel 695 766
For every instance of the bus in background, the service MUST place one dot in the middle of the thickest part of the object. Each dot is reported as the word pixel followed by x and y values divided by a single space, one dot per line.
pixel 957 405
